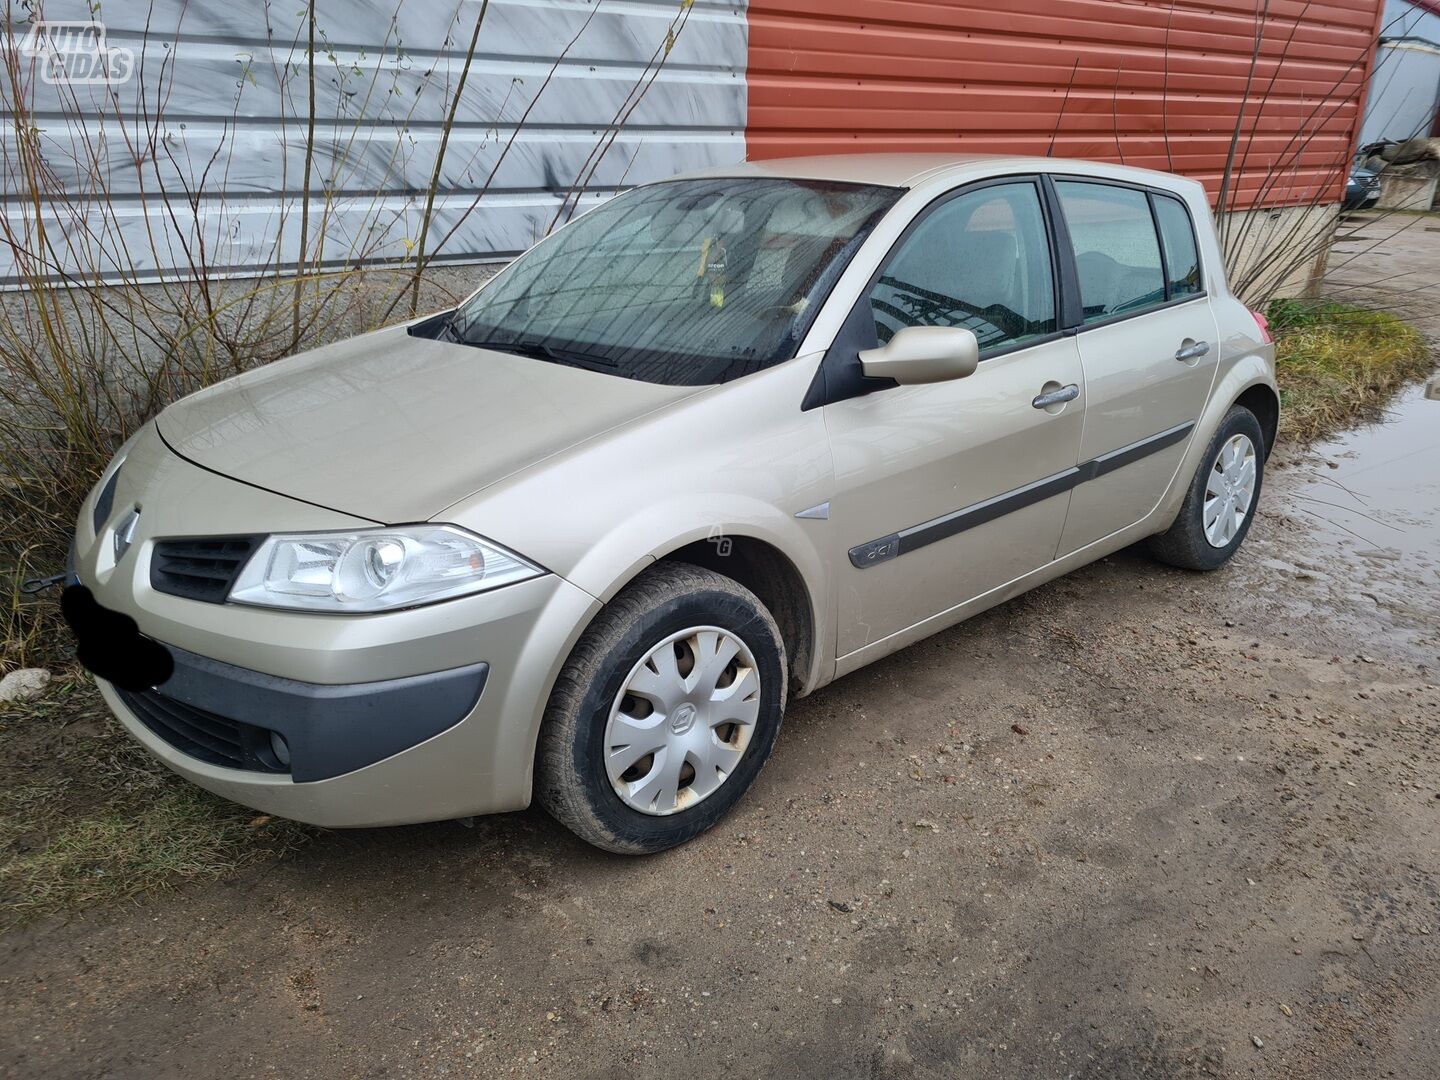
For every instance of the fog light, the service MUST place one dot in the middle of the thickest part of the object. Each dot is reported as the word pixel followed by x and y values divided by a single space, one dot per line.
pixel 280 748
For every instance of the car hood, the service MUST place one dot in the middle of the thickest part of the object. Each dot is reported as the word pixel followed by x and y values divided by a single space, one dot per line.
pixel 396 428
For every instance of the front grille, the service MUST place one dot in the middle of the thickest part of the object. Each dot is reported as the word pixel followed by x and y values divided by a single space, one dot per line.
pixel 203 735
pixel 200 569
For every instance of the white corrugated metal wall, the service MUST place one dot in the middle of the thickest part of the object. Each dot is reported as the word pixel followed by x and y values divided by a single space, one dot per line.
pixel 206 143
pixel 1405 89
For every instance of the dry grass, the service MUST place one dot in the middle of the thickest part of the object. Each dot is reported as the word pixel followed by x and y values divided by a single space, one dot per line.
pixel 1338 365
pixel 87 816
pixel 82 369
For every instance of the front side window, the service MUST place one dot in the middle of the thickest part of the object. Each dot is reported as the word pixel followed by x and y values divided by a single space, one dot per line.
pixel 980 261
pixel 1117 253
pixel 1182 260
pixel 686 283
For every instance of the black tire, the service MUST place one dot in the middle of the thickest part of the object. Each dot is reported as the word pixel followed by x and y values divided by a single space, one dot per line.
pixel 571 781
pixel 1184 543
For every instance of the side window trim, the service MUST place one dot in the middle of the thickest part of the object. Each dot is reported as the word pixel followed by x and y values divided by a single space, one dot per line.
pixel 1073 319
pixel 1159 243
pixel 839 378
pixel 1071 308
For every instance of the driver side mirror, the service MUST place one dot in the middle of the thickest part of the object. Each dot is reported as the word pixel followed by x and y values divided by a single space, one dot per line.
pixel 924 354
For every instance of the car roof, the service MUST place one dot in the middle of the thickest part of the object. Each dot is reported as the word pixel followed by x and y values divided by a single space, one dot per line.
pixel 908 170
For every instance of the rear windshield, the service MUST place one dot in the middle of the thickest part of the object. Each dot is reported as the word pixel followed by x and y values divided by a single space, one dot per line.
pixel 687 283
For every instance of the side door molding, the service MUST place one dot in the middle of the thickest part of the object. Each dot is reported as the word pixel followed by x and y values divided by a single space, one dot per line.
pixel 875 552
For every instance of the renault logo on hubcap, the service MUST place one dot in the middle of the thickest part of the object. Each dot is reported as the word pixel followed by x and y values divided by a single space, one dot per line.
pixel 684 719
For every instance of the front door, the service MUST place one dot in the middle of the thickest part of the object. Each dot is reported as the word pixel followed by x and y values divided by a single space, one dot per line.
pixel 1148 346
pixel 946 491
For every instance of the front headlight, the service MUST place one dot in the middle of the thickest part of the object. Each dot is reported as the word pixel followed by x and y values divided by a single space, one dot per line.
pixel 375 570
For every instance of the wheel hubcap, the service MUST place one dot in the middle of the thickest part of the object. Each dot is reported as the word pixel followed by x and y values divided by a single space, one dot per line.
pixel 1230 490
pixel 682 721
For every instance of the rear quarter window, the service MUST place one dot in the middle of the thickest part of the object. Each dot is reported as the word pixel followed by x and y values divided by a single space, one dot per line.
pixel 1182 258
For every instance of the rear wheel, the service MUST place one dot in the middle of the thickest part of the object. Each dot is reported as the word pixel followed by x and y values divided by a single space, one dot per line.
pixel 1220 504
pixel 664 713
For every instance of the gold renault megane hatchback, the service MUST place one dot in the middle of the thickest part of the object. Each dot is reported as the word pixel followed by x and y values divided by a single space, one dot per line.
pixel 712 445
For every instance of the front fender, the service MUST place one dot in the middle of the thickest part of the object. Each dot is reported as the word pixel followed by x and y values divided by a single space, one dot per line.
pixel 625 551
pixel 616 557
pixel 740 460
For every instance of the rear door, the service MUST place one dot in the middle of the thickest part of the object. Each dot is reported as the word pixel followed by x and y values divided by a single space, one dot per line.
pixel 945 491
pixel 1148 347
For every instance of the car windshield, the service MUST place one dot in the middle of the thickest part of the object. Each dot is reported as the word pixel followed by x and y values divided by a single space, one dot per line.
pixel 687 282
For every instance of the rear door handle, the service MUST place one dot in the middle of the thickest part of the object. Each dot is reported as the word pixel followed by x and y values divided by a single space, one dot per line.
pixel 1193 352
pixel 1057 397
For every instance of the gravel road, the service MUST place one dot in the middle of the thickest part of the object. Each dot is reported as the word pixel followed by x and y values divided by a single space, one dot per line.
pixel 1138 823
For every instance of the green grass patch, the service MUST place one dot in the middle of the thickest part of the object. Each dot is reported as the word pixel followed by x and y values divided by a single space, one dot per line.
pixel 1338 364
pixel 88 817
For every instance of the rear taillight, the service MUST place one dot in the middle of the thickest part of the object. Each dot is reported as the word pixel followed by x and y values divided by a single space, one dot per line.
pixel 1264 324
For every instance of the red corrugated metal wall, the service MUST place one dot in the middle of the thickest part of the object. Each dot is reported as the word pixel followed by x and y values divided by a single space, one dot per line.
pixel 1150 83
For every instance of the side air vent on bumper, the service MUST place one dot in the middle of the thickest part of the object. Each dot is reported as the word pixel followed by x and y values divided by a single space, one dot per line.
pixel 202 568
pixel 206 736
pixel 241 719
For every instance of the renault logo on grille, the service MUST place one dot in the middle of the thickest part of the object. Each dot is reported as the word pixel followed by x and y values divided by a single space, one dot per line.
pixel 125 532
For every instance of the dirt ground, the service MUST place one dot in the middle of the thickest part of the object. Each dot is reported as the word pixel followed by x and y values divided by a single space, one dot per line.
pixel 1138 823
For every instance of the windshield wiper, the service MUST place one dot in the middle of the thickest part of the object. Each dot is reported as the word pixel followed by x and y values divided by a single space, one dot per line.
pixel 541 350
pixel 449 331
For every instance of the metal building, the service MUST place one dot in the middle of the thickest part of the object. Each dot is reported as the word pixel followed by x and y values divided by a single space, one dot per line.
pixel 1157 84
pixel 211 142
pixel 1405 90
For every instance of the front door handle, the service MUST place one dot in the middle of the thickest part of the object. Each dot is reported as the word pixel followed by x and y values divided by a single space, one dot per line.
pixel 1057 397
pixel 1193 352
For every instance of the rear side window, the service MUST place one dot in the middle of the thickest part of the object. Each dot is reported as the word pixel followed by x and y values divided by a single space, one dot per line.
pixel 1117 253
pixel 980 261
pixel 1182 260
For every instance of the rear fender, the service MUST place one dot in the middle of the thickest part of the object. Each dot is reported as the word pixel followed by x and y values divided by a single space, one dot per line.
pixel 1254 367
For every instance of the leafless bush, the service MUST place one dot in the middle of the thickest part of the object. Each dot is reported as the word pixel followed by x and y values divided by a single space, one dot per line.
pixel 1273 207
pixel 1267 251
pixel 94 340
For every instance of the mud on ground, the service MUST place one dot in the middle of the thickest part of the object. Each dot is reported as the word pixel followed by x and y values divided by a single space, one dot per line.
pixel 1138 823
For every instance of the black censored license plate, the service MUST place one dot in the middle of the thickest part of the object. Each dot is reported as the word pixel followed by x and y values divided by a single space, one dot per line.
pixel 111 646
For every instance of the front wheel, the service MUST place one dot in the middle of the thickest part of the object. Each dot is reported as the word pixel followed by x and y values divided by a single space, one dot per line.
pixel 664 713
pixel 1220 505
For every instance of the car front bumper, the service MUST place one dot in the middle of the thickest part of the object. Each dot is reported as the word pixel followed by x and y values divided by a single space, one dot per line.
pixel 1358 197
pixel 417 715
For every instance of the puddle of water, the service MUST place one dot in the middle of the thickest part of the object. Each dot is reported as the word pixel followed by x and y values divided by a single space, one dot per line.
pixel 1375 491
